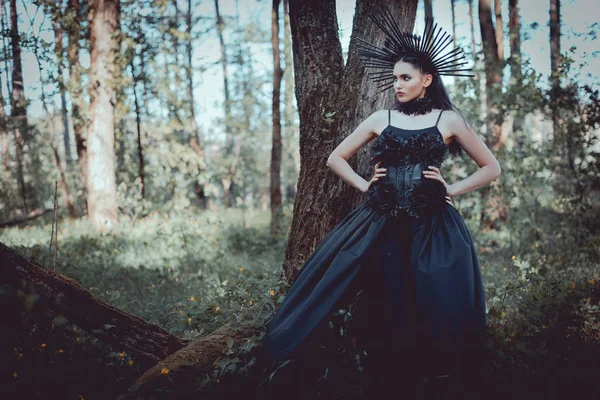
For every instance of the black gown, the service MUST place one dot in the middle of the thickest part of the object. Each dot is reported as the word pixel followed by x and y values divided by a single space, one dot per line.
pixel 410 249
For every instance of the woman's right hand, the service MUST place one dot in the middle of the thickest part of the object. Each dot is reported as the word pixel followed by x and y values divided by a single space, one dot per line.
pixel 379 172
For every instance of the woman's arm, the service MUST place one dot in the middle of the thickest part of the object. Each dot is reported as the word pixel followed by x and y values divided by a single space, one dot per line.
pixel 337 160
pixel 489 168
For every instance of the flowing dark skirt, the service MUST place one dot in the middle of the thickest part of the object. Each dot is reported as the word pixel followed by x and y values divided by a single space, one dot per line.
pixel 422 283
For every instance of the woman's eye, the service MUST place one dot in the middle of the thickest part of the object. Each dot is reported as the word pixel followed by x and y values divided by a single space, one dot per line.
pixel 406 78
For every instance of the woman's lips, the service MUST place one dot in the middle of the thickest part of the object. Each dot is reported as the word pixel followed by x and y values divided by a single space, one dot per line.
pixel 400 94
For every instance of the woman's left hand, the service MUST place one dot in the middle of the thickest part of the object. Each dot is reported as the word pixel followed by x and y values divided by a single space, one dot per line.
pixel 434 173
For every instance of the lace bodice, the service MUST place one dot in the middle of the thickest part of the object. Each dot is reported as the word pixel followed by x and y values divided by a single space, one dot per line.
pixel 406 154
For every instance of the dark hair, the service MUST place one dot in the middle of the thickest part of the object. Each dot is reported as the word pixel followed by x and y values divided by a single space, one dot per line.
pixel 438 94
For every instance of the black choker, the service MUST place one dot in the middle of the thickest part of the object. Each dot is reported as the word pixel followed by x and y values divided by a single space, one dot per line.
pixel 419 106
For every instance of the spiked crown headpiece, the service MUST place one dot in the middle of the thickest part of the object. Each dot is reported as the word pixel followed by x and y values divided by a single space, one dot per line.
pixel 429 49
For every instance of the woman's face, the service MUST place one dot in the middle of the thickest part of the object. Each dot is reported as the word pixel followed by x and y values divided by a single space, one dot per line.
pixel 409 82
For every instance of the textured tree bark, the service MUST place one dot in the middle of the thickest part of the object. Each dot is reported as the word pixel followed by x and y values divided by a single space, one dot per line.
pixel 147 342
pixel 101 180
pixel 275 176
pixel 332 100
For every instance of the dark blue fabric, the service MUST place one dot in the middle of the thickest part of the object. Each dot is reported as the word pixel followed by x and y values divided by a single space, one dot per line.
pixel 421 277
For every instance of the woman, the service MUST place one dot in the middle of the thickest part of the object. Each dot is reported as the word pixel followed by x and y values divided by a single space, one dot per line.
pixel 405 244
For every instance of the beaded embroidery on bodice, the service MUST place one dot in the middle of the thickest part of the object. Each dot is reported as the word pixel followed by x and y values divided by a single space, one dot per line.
pixel 405 188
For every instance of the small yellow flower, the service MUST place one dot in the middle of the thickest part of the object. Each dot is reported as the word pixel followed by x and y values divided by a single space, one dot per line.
pixel 60 351
pixel 189 320
pixel 77 339
pixel 591 281
pixel 217 308
pixel 164 371
pixel 245 292
pixel 241 269
pixel 122 355
pixel 503 314
pixel 20 355
pixel 514 257
pixel 43 345
pixel 250 302
pixel 537 244
pixel 180 312
pixel 505 268
pixel 192 298
pixel 14 375
pixel 130 363
pixel 272 292
pixel 249 340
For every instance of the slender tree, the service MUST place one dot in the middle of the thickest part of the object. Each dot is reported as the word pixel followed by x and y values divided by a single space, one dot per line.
pixel 276 206
pixel 102 205
pixel 292 159
pixel 514 31
pixel 428 8
pixel 499 29
pixel 227 180
pixel 196 135
pixel 73 16
pixel 58 24
pixel 493 73
pixel 555 69
pixel 494 209
pixel 19 103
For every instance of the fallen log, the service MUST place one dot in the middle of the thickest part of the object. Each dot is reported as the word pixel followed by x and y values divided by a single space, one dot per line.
pixel 38 212
pixel 180 371
pixel 147 343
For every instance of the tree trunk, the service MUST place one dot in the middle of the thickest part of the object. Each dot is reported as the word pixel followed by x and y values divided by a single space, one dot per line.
pixel 292 159
pixel 494 207
pixel 427 4
pixel 147 342
pixel 275 181
pixel 138 128
pixel 102 190
pixel 58 41
pixel 19 104
pixel 499 29
pixel 555 68
pixel 196 135
pixel 453 11
pixel 4 142
pixel 73 17
pixel 332 100
pixel 514 29
pixel 229 142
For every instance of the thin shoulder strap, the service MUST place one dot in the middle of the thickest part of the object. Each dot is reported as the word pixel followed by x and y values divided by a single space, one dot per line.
pixel 389 117
pixel 439 116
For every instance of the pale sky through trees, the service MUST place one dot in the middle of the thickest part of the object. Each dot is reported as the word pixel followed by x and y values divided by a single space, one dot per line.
pixel 577 18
